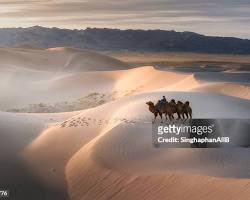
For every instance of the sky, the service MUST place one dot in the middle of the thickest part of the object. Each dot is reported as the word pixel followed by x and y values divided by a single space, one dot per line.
pixel 209 17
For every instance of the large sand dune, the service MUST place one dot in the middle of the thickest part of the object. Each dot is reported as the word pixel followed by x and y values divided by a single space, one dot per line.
pixel 50 76
pixel 33 76
pixel 99 153
pixel 58 59
pixel 106 152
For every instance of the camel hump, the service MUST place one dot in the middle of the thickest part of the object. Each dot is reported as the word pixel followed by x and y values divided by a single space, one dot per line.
pixel 179 102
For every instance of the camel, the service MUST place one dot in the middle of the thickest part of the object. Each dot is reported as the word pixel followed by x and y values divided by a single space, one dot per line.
pixel 180 111
pixel 187 110
pixel 177 108
pixel 158 109
pixel 167 110
pixel 173 106
pixel 154 109
pixel 184 109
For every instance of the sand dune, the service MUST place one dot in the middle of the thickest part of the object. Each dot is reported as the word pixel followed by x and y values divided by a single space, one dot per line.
pixel 236 90
pixel 38 74
pixel 187 83
pixel 117 149
pixel 55 87
pixel 120 163
pixel 146 79
pixel 17 131
pixel 58 59
pixel 106 152
pixel 87 180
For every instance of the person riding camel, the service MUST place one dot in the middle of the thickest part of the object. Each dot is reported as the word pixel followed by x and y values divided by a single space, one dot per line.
pixel 164 100
pixel 161 103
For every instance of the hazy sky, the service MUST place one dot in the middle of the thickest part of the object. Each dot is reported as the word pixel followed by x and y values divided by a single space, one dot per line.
pixel 210 17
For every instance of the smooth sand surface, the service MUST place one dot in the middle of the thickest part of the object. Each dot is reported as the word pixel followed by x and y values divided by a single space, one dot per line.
pixel 106 152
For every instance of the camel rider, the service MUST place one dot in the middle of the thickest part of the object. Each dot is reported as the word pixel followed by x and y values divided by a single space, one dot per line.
pixel 164 100
pixel 161 103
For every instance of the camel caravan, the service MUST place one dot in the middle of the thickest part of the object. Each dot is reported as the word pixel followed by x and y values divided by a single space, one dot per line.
pixel 183 110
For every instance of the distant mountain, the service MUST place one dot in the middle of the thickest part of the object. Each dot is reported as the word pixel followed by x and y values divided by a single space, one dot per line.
pixel 115 39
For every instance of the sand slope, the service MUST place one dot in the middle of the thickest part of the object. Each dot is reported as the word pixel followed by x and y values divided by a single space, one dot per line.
pixel 30 85
pixel 230 89
pixel 106 152
pixel 33 76
pixel 121 164
pixel 120 154
pixel 58 59
pixel 17 131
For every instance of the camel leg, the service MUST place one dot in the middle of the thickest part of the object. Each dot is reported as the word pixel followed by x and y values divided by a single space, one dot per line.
pixel 161 117
pixel 184 116
pixel 155 117
pixel 190 114
pixel 167 117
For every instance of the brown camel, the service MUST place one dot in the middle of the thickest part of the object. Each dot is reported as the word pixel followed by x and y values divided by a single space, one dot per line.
pixel 167 110
pixel 157 109
pixel 180 112
pixel 173 106
pixel 177 108
pixel 187 110
pixel 153 109
pixel 184 109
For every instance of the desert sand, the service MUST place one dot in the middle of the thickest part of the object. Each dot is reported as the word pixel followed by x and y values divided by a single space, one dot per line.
pixel 106 152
